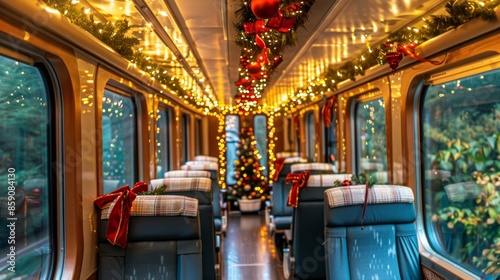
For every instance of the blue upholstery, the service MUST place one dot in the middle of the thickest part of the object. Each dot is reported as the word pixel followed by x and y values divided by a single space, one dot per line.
pixel 158 247
pixel 308 229
pixel 382 245
pixel 211 167
pixel 282 214
pixel 199 188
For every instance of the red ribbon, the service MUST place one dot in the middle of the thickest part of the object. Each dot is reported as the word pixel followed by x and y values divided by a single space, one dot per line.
pixel 327 112
pixel 263 56
pixel 409 50
pixel 364 206
pixel 281 23
pixel 299 181
pixel 117 229
pixel 296 124
pixel 278 166
pixel 256 27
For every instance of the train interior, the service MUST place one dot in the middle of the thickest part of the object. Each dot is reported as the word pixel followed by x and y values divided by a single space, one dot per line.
pixel 250 139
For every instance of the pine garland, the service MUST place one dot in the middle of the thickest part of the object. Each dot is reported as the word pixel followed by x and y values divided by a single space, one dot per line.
pixel 458 13
pixel 114 34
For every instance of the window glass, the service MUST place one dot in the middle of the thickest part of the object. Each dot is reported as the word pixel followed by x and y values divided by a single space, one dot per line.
pixel 310 136
pixel 260 128
pixel 26 241
pixel 163 142
pixel 331 139
pixel 371 143
pixel 198 137
pixel 232 129
pixel 460 145
pixel 185 137
pixel 119 134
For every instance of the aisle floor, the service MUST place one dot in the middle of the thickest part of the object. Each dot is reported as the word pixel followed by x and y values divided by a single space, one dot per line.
pixel 248 250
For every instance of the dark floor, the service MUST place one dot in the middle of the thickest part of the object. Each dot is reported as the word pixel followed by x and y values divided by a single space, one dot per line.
pixel 248 250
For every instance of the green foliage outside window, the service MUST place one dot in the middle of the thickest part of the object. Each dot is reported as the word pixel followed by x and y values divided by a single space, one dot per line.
pixel 461 157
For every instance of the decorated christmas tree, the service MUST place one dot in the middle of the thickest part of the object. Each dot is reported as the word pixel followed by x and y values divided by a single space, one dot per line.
pixel 251 183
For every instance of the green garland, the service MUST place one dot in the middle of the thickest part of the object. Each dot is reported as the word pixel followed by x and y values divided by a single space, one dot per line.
pixel 280 40
pixel 458 13
pixel 156 191
pixel 115 36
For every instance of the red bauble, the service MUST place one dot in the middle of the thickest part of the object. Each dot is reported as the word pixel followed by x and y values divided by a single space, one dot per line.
pixel 253 67
pixel 265 8
pixel 393 58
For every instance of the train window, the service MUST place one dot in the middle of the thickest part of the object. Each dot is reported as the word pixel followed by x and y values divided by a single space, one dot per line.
pixel 331 139
pixel 371 143
pixel 163 144
pixel 232 128
pixel 260 128
pixel 198 137
pixel 310 136
pixel 119 140
pixel 460 146
pixel 296 134
pixel 26 153
pixel 185 137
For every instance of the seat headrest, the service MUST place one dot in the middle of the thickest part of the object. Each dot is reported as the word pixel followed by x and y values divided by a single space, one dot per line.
pixel 200 165
pixel 316 166
pixel 187 173
pixel 205 158
pixel 378 194
pixel 159 205
pixel 183 184
pixel 459 192
pixel 286 154
pixel 295 160
pixel 326 180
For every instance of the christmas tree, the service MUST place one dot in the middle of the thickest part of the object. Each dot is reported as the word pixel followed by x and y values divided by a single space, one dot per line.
pixel 251 183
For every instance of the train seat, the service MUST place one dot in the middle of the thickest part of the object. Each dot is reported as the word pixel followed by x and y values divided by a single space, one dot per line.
pixel 206 158
pixel 163 241
pixel 376 239
pixel 220 222
pixel 201 189
pixel 216 204
pixel 303 256
pixel 287 154
pixel 282 214
pixel 281 217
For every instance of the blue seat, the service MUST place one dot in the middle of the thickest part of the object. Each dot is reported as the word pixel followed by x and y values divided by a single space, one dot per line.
pixel 281 213
pixel 381 243
pixel 303 258
pixel 201 189
pixel 220 222
pixel 206 158
pixel 163 241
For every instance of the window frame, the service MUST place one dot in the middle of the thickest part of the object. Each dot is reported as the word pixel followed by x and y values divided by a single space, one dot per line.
pixel 136 126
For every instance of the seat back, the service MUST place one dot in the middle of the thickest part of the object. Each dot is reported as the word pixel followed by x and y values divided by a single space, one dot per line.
pixel 282 191
pixel 282 214
pixel 382 243
pixel 201 189
pixel 313 167
pixel 205 158
pixel 213 168
pixel 287 154
pixel 163 240
pixel 308 229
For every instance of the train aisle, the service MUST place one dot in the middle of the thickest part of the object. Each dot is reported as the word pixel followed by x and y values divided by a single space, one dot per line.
pixel 249 250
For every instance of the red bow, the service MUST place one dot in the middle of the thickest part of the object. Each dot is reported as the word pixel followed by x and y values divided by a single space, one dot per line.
pixel 300 182
pixel 117 229
pixel 278 166
pixel 327 112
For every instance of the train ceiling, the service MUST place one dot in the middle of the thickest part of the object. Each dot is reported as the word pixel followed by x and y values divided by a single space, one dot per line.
pixel 195 40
